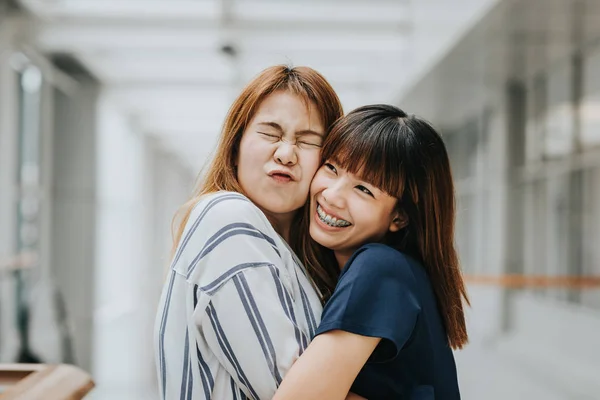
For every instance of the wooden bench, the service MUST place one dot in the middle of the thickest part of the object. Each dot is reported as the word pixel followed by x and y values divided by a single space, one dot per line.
pixel 42 381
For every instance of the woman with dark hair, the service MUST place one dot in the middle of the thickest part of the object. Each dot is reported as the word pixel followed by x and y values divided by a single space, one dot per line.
pixel 238 308
pixel 382 210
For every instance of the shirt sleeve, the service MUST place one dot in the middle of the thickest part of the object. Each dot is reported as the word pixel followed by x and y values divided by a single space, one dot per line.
pixel 375 297
pixel 249 325
pixel 243 302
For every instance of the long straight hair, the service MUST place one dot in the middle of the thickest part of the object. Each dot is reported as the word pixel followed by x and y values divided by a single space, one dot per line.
pixel 304 82
pixel 404 156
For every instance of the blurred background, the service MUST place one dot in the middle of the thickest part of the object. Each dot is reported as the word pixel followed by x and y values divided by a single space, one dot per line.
pixel 110 108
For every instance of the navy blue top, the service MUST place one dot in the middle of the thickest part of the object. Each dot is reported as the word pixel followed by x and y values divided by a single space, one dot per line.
pixel 384 293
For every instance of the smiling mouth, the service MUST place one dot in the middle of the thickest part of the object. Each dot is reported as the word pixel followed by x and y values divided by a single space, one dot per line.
pixel 331 220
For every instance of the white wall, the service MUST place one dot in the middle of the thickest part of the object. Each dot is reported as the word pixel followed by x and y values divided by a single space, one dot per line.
pixel 73 221
pixel 436 26
pixel 8 146
pixel 137 191
pixel 119 251
pixel 112 193
pixel 485 317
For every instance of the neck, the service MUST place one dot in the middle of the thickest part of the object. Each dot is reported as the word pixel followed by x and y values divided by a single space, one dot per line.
pixel 341 259
pixel 281 223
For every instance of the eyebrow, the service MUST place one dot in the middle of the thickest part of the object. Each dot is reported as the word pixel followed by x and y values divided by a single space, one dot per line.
pixel 309 132
pixel 278 127
pixel 273 125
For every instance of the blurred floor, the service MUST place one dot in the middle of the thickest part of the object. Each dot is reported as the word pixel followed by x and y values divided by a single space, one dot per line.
pixel 485 373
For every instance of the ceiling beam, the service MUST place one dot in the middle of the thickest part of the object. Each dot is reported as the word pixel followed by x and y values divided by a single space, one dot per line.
pixel 80 37
pixel 124 9
pixel 312 14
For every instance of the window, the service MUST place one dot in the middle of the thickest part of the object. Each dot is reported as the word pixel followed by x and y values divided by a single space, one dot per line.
pixel 535 125
pixel 30 84
pixel 590 233
pixel 27 230
pixel 590 103
pixel 559 118
pixel 463 146
pixel 561 203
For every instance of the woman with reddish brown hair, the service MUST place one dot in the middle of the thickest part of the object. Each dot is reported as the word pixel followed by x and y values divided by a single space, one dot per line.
pixel 382 211
pixel 238 308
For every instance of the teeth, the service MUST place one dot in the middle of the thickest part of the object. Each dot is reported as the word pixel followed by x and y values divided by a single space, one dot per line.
pixel 331 221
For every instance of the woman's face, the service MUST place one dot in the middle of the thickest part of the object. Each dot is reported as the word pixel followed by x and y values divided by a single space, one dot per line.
pixel 347 212
pixel 279 154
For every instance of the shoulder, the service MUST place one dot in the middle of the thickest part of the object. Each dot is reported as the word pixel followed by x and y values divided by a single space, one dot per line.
pixel 376 296
pixel 377 268
pixel 224 229
pixel 231 202
pixel 377 259
pixel 224 208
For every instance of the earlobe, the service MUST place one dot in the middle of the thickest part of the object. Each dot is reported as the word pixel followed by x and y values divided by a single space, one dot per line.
pixel 399 221
pixel 395 225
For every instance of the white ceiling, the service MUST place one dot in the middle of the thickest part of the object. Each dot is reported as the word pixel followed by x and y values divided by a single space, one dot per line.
pixel 162 60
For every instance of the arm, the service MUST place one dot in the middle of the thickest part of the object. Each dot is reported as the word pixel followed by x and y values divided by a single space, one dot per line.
pixel 242 306
pixel 328 367
pixel 372 314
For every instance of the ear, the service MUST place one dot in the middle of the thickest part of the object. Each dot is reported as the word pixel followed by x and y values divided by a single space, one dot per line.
pixel 399 221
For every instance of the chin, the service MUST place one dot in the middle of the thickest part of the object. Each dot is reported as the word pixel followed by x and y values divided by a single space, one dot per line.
pixel 318 236
pixel 280 206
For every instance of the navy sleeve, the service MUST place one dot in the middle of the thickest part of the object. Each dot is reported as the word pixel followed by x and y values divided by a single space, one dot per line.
pixel 375 297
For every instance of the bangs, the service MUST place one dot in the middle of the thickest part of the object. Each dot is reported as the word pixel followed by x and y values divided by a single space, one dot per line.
pixel 295 87
pixel 369 151
pixel 304 82
pixel 314 90
pixel 290 81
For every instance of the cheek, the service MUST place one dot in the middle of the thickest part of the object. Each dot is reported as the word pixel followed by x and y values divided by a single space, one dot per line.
pixel 250 152
pixel 314 187
pixel 310 163
pixel 365 214
pixel 318 183
pixel 243 150
pixel 380 220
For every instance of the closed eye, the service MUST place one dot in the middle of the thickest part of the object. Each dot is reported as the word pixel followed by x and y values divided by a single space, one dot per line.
pixel 309 143
pixel 270 135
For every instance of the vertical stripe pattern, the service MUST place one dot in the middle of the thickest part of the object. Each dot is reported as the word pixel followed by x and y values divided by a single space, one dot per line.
pixel 237 309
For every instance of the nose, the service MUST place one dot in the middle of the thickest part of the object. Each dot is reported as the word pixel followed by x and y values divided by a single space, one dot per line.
pixel 286 154
pixel 334 195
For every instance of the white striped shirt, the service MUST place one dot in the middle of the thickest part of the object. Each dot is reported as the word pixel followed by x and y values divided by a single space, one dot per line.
pixel 237 308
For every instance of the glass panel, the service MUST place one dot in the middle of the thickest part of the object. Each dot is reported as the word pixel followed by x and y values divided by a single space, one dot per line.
pixel 535 228
pixel 560 115
pixel 590 104
pixel 590 121
pixel 461 145
pixel 28 206
pixel 557 233
pixel 536 110
pixel 591 233
pixel 575 239
pixel 464 230
pixel 30 82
